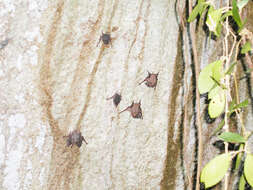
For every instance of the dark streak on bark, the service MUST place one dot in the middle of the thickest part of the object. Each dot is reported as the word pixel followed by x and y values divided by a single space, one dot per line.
pixel 168 181
pixel 45 72
pixel 62 162
pixel 84 54
pixel 115 6
pixel 89 87
pixel 181 135
pixel 194 88
pixel 174 147
pixel 137 22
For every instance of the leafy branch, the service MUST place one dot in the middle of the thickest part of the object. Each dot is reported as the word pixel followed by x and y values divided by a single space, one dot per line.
pixel 214 79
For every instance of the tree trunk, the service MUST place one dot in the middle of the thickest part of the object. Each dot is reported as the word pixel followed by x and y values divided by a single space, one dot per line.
pixel 56 76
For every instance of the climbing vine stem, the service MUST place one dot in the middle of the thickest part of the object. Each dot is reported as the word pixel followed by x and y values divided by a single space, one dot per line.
pixel 199 127
pixel 214 79
pixel 227 93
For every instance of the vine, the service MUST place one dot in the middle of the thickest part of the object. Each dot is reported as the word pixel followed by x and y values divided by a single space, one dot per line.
pixel 215 80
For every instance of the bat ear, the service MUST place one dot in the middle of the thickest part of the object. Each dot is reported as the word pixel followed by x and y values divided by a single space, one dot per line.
pixel 83 139
pixel 140 102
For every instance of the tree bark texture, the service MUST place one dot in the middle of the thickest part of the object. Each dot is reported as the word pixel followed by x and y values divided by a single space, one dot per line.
pixel 55 78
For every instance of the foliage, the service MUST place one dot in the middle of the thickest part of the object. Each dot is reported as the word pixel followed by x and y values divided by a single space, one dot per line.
pixel 215 170
pixel 214 80
pixel 246 48
pixel 232 137
pixel 248 171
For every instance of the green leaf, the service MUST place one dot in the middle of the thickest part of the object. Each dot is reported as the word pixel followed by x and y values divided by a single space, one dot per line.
pixel 242 183
pixel 218 83
pixel 205 83
pixel 218 29
pixel 243 24
pixel 230 69
pixel 195 12
pixel 248 169
pixel 239 157
pixel 242 3
pixel 246 48
pixel 215 170
pixel 236 15
pixel 217 104
pixel 213 92
pixel 242 104
pixel 232 137
pixel 198 10
pixel 228 13
pixel 222 123
pixel 206 4
pixel 213 20
pixel 218 70
pixel 231 106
